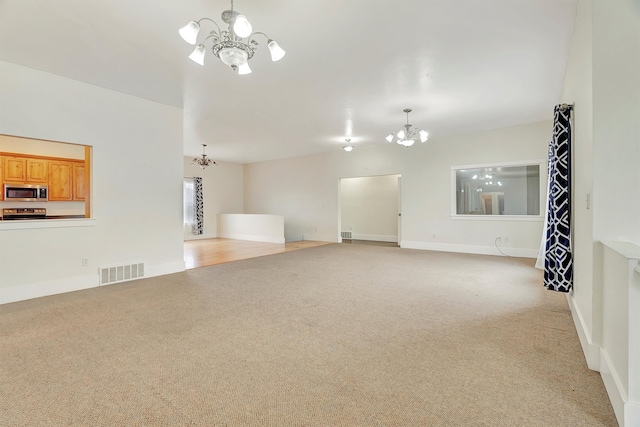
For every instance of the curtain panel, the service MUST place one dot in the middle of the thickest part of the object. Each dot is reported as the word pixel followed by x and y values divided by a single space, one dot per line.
pixel 198 205
pixel 558 257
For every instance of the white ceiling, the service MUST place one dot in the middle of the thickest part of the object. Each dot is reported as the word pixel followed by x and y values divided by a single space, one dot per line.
pixel 351 67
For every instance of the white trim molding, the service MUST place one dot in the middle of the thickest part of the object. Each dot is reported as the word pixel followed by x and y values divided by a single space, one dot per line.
pixel 470 249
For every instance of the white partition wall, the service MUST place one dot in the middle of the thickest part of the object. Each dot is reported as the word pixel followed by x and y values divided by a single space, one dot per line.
pixel 136 184
pixel 258 228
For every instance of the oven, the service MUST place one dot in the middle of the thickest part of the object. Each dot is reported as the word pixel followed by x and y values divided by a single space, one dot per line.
pixel 23 213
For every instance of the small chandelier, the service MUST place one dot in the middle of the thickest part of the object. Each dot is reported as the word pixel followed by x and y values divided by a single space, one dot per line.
pixel 408 136
pixel 348 147
pixel 229 45
pixel 203 162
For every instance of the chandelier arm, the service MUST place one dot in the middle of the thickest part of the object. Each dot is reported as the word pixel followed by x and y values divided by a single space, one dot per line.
pixel 258 32
pixel 210 36
pixel 214 23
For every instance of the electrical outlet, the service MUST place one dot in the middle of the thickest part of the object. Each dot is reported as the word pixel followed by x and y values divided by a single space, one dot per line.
pixel 85 262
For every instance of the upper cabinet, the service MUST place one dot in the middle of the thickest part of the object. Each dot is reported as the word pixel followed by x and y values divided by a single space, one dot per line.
pixel 66 181
pixel 24 170
pixel 60 181
pixel 66 178
pixel 78 181
pixel 37 171
pixel 14 169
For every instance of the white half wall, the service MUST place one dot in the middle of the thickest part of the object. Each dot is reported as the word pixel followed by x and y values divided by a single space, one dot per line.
pixel 305 190
pixel 258 228
pixel 136 183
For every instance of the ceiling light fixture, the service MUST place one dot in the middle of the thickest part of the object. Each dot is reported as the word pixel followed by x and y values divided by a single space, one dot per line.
pixel 203 162
pixel 407 136
pixel 229 45
pixel 348 147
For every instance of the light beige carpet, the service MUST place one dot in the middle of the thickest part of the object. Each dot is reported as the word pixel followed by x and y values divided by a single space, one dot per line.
pixel 337 335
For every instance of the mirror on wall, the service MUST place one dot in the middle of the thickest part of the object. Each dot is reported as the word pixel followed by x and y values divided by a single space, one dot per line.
pixel 498 190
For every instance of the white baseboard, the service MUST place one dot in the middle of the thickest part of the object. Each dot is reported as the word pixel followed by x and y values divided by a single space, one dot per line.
pixel 52 287
pixel 614 387
pixel 375 237
pixel 77 283
pixel 320 238
pixel 253 238
pixel 164 268
pixel 631 414
pixel 591 351
pixel 469 249
pixel 200 236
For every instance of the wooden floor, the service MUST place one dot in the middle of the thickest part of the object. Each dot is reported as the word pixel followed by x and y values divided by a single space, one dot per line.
pixel 205 252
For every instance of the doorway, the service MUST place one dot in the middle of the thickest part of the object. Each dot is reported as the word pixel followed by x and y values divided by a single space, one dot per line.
pixel 370 210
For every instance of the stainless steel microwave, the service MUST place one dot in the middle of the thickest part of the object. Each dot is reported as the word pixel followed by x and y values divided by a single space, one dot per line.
pixel 25 193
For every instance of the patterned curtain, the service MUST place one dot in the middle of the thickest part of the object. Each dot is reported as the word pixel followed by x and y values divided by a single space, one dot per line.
pixel 558 259
pixel 198 206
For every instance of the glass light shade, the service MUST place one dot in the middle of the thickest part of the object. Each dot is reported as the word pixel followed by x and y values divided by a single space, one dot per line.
pixel 276 51
pixel 347 148
pixel 242 27
pixel 400 134
pixel 407 142
pixel 244 69
pixel 190 32
pixel 389 137
pixel 197 55
pixel 233 57
pixel 424 135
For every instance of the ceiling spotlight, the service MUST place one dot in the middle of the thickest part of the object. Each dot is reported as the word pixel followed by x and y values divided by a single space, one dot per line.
pixel 408 136
pixel 348 147
pixel 203 162
pixel 234 46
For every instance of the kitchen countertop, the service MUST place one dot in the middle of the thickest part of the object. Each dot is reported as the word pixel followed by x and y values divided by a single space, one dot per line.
pixel 47 217
pixel 63 221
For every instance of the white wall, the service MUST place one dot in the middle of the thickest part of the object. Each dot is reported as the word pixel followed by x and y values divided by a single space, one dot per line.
pixel 578 89
pixel 369 207
pixel 136 177
pixel 221 190
pixel 305 189
pixel 603 82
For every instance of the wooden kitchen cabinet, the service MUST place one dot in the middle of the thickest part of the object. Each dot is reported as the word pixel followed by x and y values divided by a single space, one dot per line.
pixel 24 170
pixel 14 169
pixel 66 178
pixel 78 181
pixel 37 171
pixel 60 181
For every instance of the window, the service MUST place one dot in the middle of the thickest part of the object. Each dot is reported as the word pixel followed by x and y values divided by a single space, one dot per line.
pixel 188 212
pixel 496 191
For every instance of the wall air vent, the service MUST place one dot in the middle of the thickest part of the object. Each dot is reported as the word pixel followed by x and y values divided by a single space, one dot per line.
pixel 121 273
pixel 345 234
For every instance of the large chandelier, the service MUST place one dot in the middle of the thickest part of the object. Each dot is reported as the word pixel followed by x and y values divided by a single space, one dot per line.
pixel 203 162
pixel 407 136
pixel 234 46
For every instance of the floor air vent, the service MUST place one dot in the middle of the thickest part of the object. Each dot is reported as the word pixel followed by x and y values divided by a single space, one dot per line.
pixel 345 234
pixel 121 273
